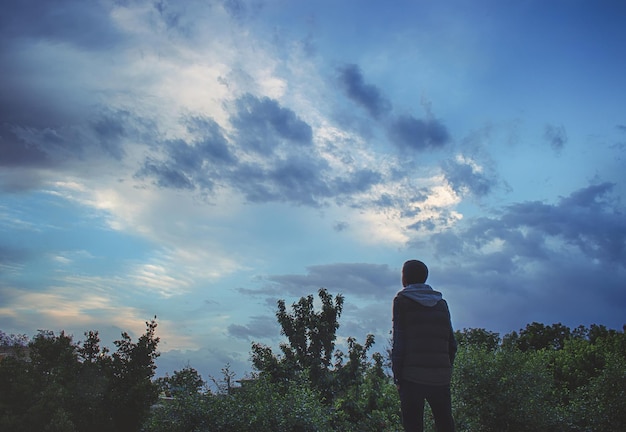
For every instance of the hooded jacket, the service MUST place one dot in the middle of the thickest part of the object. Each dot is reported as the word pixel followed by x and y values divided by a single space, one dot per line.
pixel 424 346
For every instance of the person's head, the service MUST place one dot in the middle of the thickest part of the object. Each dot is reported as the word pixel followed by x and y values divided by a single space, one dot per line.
pixel 414 272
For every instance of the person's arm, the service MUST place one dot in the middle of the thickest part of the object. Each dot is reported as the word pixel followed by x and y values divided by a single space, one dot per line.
pixel 397 346
pixel 452 346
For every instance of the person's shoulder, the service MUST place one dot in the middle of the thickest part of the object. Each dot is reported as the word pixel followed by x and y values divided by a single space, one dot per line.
pixel 400 299
pixel 443 304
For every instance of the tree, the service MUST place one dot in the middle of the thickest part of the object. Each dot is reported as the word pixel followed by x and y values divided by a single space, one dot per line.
pixel 362 396
pixel 478 337
pixel 502 390
pixel 311 334
pixel 311 337
pixel 185 382
pixel 538 336
pixel 132 391
pixel 66 386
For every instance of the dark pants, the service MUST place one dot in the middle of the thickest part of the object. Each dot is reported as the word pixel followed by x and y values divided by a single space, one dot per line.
pixel 412 398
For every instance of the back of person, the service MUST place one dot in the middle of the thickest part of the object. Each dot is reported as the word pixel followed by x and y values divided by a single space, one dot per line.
pixel 423 350
pixel 427 358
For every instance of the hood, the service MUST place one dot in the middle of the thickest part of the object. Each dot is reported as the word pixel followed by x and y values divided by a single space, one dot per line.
pixel 422 293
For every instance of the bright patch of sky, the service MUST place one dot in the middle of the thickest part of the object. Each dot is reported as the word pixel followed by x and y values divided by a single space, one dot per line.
pixel 199 160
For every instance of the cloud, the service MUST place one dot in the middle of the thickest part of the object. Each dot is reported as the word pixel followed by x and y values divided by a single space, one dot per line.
pixel 585 221
pixel 65 21
pixel 295 179
pixel 194 164
pixel 95 142
pixel 525 264
pixel 366 95
pixel 110 129
pixel 17 152
pixel 466 176
pixel 340 226
pixel 409 133
pixel 262 326
pixel 358 279
pixel 262 125
pixel 12 259
pixel 542 262
pixel 270 155
pixel 556 137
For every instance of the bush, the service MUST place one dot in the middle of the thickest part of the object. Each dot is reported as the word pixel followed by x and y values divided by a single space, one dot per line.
pixel 505 390
pixel 258 406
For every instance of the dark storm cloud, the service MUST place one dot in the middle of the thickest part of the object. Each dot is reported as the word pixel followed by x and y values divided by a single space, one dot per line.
pixel 556 137
pixel 167 175
pixel 17 152
pixel 24 146
pixel 366 95
pixel 405 131
pixel 275 160
pixel 35 91
pixel 28 146
pixel 262 125
pixel 585 220
pixel 191 165
pixel 358 279
pixel 81 23
pixel 295 179
pixel 110 129
pixel 48 119
pixel 540 262
pixel 211 142
pixel 410 133
pixel 300 180
pixel 48 115
pixel 464 177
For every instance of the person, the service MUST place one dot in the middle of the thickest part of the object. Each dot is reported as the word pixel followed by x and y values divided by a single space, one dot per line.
pixel 423 350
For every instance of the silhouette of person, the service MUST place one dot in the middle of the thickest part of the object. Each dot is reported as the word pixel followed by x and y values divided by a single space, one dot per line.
pixel 423 350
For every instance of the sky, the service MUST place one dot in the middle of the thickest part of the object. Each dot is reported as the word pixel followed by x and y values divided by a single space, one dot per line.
pixel 199 160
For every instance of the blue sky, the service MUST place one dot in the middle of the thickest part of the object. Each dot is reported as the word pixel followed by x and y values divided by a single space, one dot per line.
pixel 199 160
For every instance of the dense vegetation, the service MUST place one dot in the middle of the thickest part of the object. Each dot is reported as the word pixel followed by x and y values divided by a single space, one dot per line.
pixel 54 384
pixel 544 378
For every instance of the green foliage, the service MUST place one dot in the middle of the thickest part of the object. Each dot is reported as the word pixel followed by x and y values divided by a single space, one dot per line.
pixel 182 383
pixel 478 337
pixel 370 402
pixel 538 336
pixel 505 390
pixel 259 405
pixel 59 385
pixel 311 337
pixel 546 378
pixel 604 398
pixel 132 367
